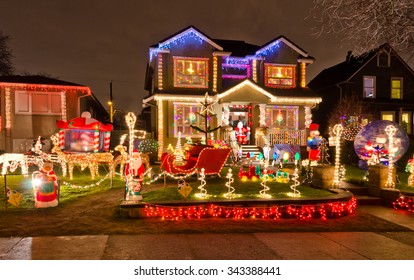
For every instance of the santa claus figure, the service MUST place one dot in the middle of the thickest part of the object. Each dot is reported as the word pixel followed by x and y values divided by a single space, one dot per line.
pixel 45 183
pixel 134 172
pixel 241 133
pixel 313 142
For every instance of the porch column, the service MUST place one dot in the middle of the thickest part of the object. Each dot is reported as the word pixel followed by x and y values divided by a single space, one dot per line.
pixel 160 128
pixel 308 116
pixel 225 115
pixel 262 116
pixel 8 121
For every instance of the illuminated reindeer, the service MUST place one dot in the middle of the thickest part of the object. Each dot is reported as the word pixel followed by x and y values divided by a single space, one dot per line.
pixel 122 158
pixel 90 160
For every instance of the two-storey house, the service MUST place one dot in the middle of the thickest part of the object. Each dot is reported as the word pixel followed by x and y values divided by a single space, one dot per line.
pixel 253 87
pixel 380 78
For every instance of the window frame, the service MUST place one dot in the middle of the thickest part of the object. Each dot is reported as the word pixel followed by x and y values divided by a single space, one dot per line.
pixel 388 59
pixel 175 62
pixel 401 87
pixel 51 111
pixel 410 119
pixel 374 91
pixel 175 126
pixel 270 121
pixel 388 112
pixel 266 77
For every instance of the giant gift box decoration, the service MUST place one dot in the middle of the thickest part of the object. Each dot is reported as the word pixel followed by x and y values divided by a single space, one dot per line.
pixel 84 134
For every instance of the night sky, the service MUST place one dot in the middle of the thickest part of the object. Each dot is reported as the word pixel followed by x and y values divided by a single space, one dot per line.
pixel 95 41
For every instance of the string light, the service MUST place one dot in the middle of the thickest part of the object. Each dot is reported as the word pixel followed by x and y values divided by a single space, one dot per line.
pixel 296 183
pixel 264 178
pixel 8 107
pixel 254 63
pixel 160 117
pixel 390 130
pixel 404 202
pixel 308 116
pixel 226 114
pixel 178 151
pixel 68 184
pixel 160 76
pixel 230 190
pixel 215 73
pixel 63 105
pixel 43 87
pixel 280 76
pixel 321 211
pixel 337 131
pixel 302 74
pixel 183 79
pixel 262 116
pixel 203 192
pixel 12 161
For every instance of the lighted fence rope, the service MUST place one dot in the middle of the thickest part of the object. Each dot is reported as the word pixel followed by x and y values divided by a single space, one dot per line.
pixel 390 130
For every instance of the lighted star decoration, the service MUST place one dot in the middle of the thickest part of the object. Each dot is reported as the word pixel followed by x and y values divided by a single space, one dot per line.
pixel 207 107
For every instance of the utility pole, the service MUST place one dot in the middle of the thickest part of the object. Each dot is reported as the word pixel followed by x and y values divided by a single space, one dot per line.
pixel 110 104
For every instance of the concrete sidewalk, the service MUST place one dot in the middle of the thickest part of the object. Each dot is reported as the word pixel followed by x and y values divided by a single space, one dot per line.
pixel 285 245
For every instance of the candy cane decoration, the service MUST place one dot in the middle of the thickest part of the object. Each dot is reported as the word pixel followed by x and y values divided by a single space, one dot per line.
pixel 96 141
pixel 61 139
pixel 107 141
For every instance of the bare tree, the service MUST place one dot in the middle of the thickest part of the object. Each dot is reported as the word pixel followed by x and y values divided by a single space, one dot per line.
pixel 6 66
pixel 368 24
pixel 347 107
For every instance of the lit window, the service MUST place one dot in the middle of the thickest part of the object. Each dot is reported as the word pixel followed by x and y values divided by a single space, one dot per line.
pixel 406 121
pixel 387 116
pixel 185 115
pixel 282 117
pixel 396 88
pixel 369 87
pixel 191 72
pixel 280 76
pixel 38 103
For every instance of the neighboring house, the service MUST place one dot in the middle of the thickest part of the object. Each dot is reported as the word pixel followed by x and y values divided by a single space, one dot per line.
pixel 254 86
pixel 30 107
pixel 380 78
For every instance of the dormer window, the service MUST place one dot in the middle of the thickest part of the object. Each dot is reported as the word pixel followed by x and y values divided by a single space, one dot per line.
pixel 383 59
pixel 279 75
pixel 191 72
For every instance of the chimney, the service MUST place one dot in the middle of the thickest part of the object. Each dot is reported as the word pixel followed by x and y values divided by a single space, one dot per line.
pixel 349 56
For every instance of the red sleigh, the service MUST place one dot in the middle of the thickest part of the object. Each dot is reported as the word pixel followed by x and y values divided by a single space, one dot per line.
pixel 211 159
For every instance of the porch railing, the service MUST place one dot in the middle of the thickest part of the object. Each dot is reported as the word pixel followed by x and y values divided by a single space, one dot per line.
pixel 285 136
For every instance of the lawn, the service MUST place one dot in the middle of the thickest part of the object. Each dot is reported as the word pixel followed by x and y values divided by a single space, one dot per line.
pixel 216 187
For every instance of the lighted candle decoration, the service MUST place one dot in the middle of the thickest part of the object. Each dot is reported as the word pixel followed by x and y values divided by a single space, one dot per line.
pixel 390 130
pixel 337 131
pixel 230 189
pixel 203 192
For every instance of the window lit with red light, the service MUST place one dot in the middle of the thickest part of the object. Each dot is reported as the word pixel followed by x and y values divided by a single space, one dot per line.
pixel 190 72
pixel 283 117
pixel 281 76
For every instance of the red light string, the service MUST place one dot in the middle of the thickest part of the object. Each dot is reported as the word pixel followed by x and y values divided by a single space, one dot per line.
pixel 321 211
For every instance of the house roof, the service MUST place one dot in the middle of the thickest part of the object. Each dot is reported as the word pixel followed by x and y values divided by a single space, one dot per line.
pixel 41 82
pixel 237 48
pixel 345 70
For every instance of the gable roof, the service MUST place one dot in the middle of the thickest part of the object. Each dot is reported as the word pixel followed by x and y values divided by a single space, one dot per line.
pixel 37 81
pixel 276 41
pixel 188 30
pixel 345 70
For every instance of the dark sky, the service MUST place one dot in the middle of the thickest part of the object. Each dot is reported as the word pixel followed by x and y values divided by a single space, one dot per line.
pixel 95 41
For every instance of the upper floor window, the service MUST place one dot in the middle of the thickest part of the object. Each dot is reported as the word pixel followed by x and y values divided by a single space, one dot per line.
pixel 369 87
pixel 396 88
pixel 280 76
pixel 38 103
pixel 383 59
pixel 190 72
